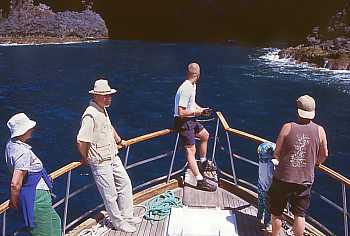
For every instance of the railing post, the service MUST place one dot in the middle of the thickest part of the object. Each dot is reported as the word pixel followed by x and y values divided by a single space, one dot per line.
pixel 66 202
pixel 215 140
pixel 231 158
pixel 126 156
pixel 345 211
pixel 172 158
pixel 4 224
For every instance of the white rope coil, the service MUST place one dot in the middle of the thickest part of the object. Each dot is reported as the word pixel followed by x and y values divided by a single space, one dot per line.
pixel 102 228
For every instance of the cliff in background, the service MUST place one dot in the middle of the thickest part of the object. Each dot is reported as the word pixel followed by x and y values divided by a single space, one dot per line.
pixel 248 21
pixel 220 21
pixel 27 22
pixel 327 45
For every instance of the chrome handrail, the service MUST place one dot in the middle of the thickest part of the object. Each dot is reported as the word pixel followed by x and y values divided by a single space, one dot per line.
pixel 67 169
pixel 345 209
pixel 343 180
pixel 173 158
pixel 66 202
pixel 74 193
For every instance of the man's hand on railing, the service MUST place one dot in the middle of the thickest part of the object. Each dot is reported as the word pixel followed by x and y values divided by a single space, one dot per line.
pixel 123 143
pixel 11 205
pixel 83 161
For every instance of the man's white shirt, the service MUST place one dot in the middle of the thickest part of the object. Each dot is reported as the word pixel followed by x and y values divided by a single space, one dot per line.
pixel 185 97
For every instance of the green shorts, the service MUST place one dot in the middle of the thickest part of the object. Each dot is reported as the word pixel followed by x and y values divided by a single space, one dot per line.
pixel 46 220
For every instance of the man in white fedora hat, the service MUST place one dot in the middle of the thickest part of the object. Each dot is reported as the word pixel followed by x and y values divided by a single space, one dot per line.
pixel 299 147
pixel 97 142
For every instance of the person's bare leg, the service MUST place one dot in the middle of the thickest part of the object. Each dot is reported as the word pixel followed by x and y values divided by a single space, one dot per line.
pixel 276 224
pixel 191 159
pixel 298 225
pixel 204 137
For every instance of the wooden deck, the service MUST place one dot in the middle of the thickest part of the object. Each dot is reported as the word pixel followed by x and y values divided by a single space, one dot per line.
pixel 247 222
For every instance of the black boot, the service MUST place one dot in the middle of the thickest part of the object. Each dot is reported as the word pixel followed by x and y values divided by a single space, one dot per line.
pixel 206 166
pixel 206 186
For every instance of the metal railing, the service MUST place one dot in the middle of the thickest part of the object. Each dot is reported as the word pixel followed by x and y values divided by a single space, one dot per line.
pixel 345 183
pixel 67 170
pixel 228 131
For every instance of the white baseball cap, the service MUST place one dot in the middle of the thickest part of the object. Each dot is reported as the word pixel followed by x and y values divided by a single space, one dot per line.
pixel 19 124
pixel 306 107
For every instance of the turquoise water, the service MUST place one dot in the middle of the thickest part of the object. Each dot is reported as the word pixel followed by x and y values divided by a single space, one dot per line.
pixel 255 91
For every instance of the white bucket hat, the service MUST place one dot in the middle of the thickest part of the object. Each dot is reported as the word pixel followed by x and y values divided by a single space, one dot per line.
pixel 19 124
pixel 101 87
pixel 306 107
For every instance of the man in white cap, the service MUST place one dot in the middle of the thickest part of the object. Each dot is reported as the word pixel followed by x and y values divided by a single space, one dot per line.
pixel 299 147
pixel 97 142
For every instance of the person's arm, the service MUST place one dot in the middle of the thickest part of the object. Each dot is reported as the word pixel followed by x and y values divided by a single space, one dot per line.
pixel 16 185
pixel 183 112
pixel 280 140
pixel 83 148
pixel 118 139
pixel 323 152
pixel 84 137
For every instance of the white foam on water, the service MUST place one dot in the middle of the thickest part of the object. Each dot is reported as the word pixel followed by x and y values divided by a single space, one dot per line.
pixel 271 57
pixel 269 65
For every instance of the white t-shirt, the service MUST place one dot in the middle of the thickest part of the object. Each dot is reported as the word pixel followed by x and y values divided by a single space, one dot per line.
pixel 19 156
pixel 185 97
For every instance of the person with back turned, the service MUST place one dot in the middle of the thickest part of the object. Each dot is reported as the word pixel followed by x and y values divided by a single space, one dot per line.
pixel 97 142
pixel 185 112
pixel 299 147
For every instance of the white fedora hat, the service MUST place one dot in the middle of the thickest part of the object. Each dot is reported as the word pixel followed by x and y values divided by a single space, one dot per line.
pixel 19 124
pixel 102 87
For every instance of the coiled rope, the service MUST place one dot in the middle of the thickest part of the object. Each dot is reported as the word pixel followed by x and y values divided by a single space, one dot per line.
pixel 159 206
pixel 103 227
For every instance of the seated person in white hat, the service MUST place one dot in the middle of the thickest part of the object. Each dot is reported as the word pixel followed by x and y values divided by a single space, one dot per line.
pixel 30 184
pixel 97 142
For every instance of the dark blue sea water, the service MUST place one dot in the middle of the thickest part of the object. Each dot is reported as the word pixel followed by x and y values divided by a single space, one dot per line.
pixel 255 92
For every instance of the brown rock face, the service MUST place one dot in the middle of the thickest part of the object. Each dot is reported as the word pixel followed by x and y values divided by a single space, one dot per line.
pixel 328 46
pixel 27 20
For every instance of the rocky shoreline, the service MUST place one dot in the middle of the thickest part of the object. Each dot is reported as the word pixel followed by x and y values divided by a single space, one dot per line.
pixel 37 40
pixel 325 47
pixel 27 23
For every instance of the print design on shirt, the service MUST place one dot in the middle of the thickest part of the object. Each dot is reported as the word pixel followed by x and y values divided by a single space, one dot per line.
pixel 298 158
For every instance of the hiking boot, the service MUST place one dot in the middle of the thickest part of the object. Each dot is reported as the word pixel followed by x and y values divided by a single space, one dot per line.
pixel 206 166
pixel 126 227
pixel 134 220
pixel 206 186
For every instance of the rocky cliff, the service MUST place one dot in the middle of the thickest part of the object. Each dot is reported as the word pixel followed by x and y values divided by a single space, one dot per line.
pixel 249 21
pixel 327 46
pixel 30 23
